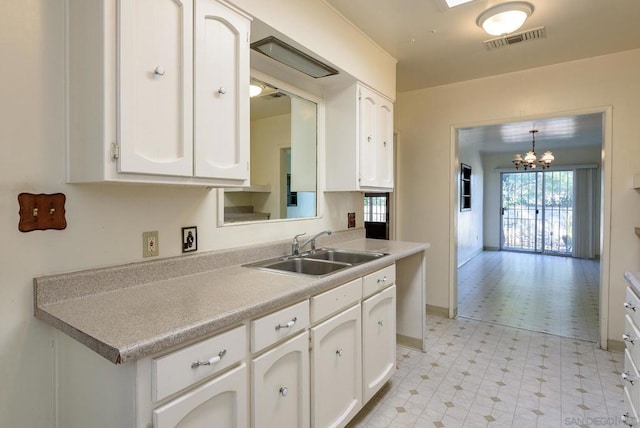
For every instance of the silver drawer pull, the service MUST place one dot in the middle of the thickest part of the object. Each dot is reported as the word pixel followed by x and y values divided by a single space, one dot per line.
pixel 222 90
pixel 210 361
pixel 284 391
pixel 628 378
pixel 339 352
pixel 629 420
pixel 158 71
pixel 381 323
pixel 627 338
pixel 287 325
pixel 628 305
pixel 383 280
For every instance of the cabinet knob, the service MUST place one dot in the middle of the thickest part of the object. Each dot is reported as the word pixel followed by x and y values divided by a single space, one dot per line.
pixel 627 338
pixel 284 391
pixel 339 352
pixel 158 71
pixel 381 323
pixel 222 90
pixel 369 139
pixel 628 305
pixel 382 280
pixel 210 361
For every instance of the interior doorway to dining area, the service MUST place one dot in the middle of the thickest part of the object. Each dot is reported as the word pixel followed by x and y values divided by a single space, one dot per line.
pixel 528 240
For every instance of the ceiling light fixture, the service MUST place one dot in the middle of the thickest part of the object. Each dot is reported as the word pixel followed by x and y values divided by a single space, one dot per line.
pixel 505 18
pixel 530 160
pixel 255 90
pixel 288 55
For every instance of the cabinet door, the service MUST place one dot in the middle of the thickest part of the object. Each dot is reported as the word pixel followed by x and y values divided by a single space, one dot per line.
pixel 281 386
pixel 221 402
pixel 155 87
pixel 336 369
pixel 368 146
pixel 385 144
pixel 221 92
pixel 378 340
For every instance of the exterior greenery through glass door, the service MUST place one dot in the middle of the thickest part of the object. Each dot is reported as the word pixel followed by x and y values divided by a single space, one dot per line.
pixel 537 211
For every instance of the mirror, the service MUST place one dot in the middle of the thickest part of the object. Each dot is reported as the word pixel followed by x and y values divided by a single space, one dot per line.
pixel 284 130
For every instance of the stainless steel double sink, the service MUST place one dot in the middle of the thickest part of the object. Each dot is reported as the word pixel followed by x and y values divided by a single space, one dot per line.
pixel 320 262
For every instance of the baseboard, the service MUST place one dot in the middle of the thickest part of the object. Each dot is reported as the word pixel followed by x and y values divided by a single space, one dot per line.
pixel 438 310
pixel 491 248
pixel 615 345
pixel 409 342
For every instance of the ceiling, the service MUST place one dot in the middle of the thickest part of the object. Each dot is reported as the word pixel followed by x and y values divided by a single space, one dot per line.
pixel 435 45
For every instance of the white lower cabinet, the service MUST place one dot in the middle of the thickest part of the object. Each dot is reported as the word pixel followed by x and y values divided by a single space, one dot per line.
pixel 336 369
pixel 378 341
pixel 221 402
pixel 281 386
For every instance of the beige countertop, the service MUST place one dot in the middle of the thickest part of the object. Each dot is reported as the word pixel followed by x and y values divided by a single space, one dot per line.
pixel 124 316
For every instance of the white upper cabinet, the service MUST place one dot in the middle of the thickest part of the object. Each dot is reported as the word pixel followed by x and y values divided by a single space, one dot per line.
pixel 222 92
pixel 156 87
pixel 158 92
pixel 359 140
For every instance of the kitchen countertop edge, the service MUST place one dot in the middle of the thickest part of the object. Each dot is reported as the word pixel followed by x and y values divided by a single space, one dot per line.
pixel 62 314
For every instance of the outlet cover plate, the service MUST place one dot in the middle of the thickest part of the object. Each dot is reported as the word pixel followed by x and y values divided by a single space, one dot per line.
pixel 189 239
pixel 351 220
pixel 150 244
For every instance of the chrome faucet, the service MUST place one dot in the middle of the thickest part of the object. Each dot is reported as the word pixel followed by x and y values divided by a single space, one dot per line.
pixel 296 246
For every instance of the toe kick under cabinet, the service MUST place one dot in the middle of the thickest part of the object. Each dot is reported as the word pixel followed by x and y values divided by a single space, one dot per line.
pixel 313 364
pixel 630 376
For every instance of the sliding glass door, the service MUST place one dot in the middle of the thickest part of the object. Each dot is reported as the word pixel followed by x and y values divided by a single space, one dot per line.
pixel 537 211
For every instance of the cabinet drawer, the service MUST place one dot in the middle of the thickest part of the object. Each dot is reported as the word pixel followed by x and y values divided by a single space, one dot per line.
pixel 181 368
pixel 378 280
pixel 631 378
pixel 332 301
pixel 631 338
pixel 279 325
pixel 632 306
pixel 630 416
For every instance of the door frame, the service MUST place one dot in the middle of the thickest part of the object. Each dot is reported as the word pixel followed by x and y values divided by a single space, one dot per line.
pixel 605 206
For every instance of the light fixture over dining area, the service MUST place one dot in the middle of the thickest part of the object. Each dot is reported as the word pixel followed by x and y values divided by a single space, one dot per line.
pixel 505 18
pixel 531 160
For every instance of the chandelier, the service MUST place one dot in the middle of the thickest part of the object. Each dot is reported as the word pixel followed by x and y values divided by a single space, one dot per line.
pixel 531 160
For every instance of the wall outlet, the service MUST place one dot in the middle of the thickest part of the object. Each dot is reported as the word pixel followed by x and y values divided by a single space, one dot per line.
pixel 189 239
pixel 351 220
pixel 150 244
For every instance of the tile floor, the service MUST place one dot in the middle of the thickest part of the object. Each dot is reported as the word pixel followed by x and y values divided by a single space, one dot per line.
pixel 557 295
pixel 479 373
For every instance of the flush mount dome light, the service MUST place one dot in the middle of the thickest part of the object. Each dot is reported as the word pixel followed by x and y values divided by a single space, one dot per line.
pixel 505 18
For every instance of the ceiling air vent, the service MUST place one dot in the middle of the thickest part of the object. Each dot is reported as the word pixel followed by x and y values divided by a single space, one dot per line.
pixel 511 39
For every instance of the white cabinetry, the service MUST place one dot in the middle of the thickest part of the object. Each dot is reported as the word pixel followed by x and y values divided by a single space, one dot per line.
pixel 222 401
pixel 336 369
pixel 378 341
pixel 359 140
pixel 281 385
pixel 133 69
pixel 630 376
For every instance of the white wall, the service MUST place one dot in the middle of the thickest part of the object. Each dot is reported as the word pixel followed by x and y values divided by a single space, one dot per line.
pixel 470 223
pixel 425 118
pixel 492 185
pixel 105 222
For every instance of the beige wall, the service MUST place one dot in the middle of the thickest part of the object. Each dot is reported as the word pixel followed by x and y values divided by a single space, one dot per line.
pixel 470 223
pixel 105 222
pixel 426 117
